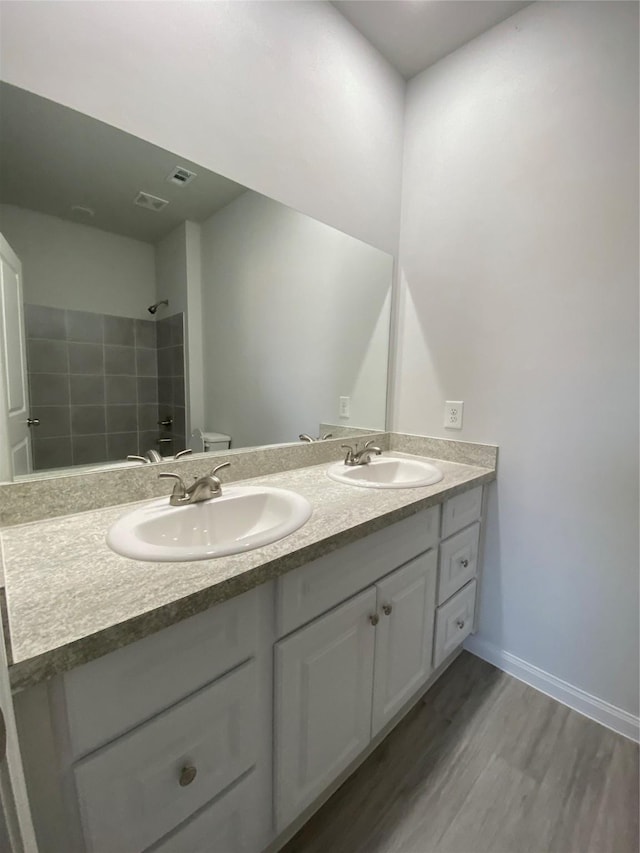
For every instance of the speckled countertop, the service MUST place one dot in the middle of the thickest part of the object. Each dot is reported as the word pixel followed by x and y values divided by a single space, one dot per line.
pixel 70 599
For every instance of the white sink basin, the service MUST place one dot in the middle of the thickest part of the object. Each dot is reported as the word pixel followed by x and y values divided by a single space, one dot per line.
pixel 242 518
pixel 387 472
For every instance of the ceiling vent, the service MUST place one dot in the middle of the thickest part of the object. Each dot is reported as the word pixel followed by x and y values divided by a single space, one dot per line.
pixel 181 176
pixel 151 202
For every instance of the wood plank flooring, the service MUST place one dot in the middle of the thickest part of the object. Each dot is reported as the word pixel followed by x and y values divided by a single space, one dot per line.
pixel 485 764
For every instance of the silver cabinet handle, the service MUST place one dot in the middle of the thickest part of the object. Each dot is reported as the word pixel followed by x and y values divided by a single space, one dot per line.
pixel 33 422
pixel 374 619
pixel 386 609
pixel 460 623
pixel 187 775
pixel 464 563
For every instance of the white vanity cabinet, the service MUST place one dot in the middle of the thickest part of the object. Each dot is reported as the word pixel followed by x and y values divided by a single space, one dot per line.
pixel 345 669
pixel 341 678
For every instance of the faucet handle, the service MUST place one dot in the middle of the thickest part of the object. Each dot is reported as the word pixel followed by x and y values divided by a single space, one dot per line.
pixel 179 489
pixel 137 459
pixel 327 435
pixel 218 467
pixel 183 453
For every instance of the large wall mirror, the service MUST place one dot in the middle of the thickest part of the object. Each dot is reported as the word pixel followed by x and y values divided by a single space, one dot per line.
pixel 163 306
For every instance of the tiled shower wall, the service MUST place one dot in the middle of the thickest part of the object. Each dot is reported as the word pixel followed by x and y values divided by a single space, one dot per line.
pixel 93 383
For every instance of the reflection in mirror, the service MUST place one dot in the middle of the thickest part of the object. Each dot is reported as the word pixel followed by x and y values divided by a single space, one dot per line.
pixel 149 304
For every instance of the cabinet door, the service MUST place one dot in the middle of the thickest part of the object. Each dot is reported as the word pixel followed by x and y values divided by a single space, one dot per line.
pixel 324 682
pixel 404 636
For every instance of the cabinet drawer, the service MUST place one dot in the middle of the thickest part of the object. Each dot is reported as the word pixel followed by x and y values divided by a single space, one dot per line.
pixel 108 696
pixel 454 622
pixel 317 587
pixel 228 825
pixel 458 561
pixel 135 790
pixel 461 511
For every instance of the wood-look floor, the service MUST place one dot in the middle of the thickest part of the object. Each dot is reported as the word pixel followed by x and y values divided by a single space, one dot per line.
pixel 485 764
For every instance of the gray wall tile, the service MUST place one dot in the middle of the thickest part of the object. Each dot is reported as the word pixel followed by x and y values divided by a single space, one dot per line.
pixel 122 444
pixel 146 333
pixel 99 395
pixel 146 362
pixel 43 322
pixel 52 452
pixel 49 389
pixel 88 420
pixel 147 390
pixel 85 327
pixel 45 356
pixel 165 362
pixel 89 448
pixel 119 330
pixel 147 440
pixel 122 419
pixel 163 332
pixel 86 390
pixel 54 421
pixel 121 389
pixel 119 361
pixel 147 418
pixel 86 358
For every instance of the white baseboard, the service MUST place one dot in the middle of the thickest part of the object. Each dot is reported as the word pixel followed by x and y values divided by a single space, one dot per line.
pixel 596 709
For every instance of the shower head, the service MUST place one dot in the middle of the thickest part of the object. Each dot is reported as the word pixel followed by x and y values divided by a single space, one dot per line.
pixel 153 308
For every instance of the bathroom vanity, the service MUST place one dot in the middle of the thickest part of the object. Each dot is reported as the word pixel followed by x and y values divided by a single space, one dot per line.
pixel 214 705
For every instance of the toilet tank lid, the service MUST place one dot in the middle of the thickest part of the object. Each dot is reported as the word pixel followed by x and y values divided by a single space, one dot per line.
pixel 215 436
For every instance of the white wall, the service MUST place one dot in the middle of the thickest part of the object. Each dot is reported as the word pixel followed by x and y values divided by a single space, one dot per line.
pixel 519 257
pixel 178 279
pixel 295 315
pixel 286 98
pixel 68 265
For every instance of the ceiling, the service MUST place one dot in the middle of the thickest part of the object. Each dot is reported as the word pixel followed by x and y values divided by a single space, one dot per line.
pixel 413 34
pixel 52 158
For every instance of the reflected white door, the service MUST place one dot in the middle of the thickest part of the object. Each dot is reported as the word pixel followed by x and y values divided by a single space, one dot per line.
pixel 16 828
pixel 15 444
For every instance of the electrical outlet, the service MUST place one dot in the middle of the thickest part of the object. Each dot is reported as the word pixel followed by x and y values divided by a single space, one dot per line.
pixel 453 410
pixel 345 403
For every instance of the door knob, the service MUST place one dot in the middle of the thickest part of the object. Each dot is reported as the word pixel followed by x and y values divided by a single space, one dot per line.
pixel 386 609
pixel 464 563
pixel 374 619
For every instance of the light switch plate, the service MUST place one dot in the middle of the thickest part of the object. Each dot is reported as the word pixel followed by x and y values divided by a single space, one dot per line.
pixel 453 410
pixel 345 406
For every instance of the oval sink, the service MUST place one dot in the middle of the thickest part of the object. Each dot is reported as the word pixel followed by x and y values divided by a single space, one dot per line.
pixel 242 518
pixel 387 472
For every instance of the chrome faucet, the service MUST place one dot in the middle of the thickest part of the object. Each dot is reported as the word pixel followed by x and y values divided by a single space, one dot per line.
pixel 153 456
pixel 203 489
pixel 360 457
pixel 304 437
